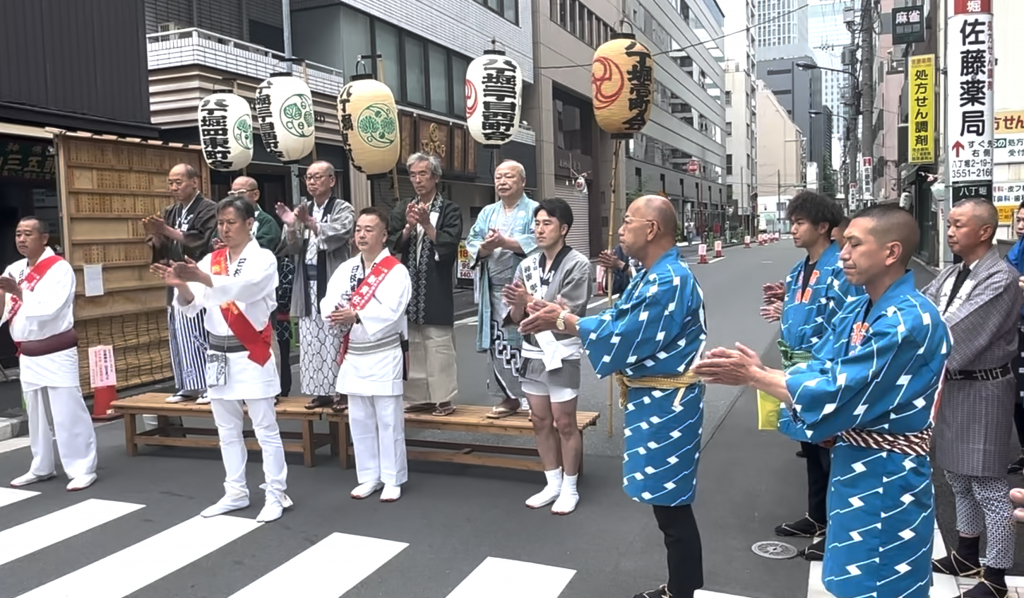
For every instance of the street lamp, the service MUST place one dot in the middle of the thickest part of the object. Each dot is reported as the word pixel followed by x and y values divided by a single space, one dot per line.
pixel 810 66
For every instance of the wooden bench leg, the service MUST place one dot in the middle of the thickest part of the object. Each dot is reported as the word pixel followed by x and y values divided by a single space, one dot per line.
pixel 307 442
pixel 130 430
pixel 332 429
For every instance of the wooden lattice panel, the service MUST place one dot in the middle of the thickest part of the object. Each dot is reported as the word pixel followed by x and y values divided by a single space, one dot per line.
pixel 140 341
pixel 109 253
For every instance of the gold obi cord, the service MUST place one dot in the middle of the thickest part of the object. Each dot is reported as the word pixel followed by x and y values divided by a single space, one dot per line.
pixel 679 381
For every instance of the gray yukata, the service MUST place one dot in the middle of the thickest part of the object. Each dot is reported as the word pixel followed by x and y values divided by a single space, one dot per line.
pixel 974 419
pixel 503 344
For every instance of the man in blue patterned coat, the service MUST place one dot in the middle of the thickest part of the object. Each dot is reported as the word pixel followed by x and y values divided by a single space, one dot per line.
pixel 870 385
pixel 649 339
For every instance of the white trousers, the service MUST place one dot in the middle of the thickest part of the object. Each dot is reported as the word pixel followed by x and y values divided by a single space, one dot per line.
pixel 378 438
pixel 70 424
pixel 228 417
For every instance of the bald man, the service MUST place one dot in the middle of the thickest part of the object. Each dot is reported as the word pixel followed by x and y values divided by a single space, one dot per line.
pixel 868 390
pixel 980 303
pixel 649 340
pixel 265 229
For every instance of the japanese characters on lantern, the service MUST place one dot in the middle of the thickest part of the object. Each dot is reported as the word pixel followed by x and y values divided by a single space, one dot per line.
pixel 494 91
pixel 368 119
pixel 284 109
pixel 622 81
pixel 225 131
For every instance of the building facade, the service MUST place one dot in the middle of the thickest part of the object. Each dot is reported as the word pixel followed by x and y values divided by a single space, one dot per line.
pixel 780 164
pixel 782 29
pixel 688 118
pixel 741 141
pixel 798 90
pixel 828 37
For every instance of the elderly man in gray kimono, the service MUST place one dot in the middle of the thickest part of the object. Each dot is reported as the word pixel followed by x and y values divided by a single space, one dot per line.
pixel 980 301
pixel 499 239
pixel 550 374
pixel 318 234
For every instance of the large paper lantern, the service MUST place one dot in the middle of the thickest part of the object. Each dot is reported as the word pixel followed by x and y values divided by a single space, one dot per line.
pixel 225 131
pixel 368 119
pixel 622 82
pixel 494 98
pixel 284 109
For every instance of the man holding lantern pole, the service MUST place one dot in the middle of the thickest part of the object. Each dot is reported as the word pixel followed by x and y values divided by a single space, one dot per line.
pixel 650 339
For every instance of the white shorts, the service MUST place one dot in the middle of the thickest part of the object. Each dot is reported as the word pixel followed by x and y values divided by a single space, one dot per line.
pixel 557 394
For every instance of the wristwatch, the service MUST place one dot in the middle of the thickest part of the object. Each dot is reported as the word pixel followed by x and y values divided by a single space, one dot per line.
pixel 560 322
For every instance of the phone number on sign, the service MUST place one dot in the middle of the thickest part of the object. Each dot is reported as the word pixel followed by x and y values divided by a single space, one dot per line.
pixel 970 174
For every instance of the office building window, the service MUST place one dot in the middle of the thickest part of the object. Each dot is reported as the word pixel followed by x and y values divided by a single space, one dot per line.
pixel 438 69
pixel 389 43
pixel 508 9
pixel 728 129
pixel 580 21
pixel 728 98
pixel 458 85
pixel 415 75
pixel 728 164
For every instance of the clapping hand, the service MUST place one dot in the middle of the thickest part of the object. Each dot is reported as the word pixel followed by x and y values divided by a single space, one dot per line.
pixel 494 240
pixel 155 225
pixel 729 367
pixel 1017 496
pixel 772 312
pixel 345 316
pixel 167 274
pixel 608 260
pixel 773 291
pixel 285 214
pixel 543 316
pixel 516 296
pixel 188 271
pixel 412 217
pixel 9 285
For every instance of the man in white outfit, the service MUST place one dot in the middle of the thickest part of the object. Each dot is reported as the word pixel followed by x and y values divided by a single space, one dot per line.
pixel 38 295
pixel 365 302
pixel 236 284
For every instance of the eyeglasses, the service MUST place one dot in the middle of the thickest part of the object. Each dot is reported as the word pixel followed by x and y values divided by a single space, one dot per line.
pixel 628 220
pixel 419 175
pixel 315 178
pixel 234 192
pixel 505 175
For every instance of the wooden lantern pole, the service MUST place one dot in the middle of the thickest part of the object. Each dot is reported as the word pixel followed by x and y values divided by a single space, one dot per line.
pixel 305 79
pixel 608 287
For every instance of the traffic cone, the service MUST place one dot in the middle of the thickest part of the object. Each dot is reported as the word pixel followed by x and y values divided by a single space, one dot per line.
pixel 101 399
pixel 702 253
pixel 746 242
pixel 718 249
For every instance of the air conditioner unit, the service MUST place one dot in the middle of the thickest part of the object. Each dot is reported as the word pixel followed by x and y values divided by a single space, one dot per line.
pixel 165 27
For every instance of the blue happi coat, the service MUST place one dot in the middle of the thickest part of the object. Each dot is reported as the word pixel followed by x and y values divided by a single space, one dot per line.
pixel 656 328
pixel 807 313
pixel 876 370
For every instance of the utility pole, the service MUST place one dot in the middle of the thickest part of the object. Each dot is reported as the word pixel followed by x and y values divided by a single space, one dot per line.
pixel 286 25
pixel 867 85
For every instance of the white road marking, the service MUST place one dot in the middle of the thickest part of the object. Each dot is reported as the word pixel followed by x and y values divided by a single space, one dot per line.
pixel 135 567
pixel 360 556
pixel 503 578
pixel 13 444
pixel 29 537
pixel 9 496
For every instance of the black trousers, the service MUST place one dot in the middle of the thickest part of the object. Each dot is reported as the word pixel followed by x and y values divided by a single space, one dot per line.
pixel 1018 407
pixel 284 348
pixel 682 540
pixel 819 466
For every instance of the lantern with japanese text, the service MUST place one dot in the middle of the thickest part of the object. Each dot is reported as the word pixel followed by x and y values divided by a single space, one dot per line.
pixel 494 94
pixel 368 119
pixel 225 131
pixel 621 82
pixel 284 109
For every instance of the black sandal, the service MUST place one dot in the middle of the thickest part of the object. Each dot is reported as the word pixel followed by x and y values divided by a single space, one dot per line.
pixel 340 404
pixel 318 402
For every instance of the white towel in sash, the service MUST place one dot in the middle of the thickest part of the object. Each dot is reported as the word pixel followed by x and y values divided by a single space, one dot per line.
pixel 551 351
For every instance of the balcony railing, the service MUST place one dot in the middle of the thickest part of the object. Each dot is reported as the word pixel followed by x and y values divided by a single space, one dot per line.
pixel 195 46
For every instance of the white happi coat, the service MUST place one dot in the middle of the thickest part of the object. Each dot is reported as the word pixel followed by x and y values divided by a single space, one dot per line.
pixel 45 311
pixel 252 284
pixel 375 374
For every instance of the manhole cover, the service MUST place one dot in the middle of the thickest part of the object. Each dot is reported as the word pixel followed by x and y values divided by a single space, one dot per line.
pixel 773 549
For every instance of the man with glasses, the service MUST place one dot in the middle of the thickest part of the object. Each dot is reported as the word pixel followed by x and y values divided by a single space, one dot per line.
pixel 500 238
pixel 184 230
pixel 318 233
pixel 424 232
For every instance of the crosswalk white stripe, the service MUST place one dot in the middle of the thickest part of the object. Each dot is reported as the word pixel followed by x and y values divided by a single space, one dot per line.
pixel 503 578
pixel 9 496
pixel 39 533
pixel 360 555
pixel 135 567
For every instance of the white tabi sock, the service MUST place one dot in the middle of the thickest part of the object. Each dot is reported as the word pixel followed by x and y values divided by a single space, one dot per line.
pixel 233 500
pixel 550 492
pixel 568 497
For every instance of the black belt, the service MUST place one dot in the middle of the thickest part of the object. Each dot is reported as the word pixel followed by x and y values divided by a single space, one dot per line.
pixel 310 271
pixel 984 375
pixel 226 344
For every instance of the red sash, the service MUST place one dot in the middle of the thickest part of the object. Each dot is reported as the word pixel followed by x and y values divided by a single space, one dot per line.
pixel 256 342
pixel 32 278
pixel 366 290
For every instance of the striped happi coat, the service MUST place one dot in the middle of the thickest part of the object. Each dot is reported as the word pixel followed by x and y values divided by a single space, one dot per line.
pixel 974 422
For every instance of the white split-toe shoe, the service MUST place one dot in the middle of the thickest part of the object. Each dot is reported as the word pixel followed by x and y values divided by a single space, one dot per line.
pixel 232 501
pixel 81 482
pixel 31 478
pixel 366 489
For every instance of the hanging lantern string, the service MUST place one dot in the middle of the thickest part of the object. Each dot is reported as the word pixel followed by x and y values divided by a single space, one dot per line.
pixel 698 44
pixel 608 287
pixel 495 43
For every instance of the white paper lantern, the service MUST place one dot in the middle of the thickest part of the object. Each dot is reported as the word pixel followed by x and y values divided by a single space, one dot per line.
pixel 494 93
pixel 225 131
pixel 368 120
pixel 284 109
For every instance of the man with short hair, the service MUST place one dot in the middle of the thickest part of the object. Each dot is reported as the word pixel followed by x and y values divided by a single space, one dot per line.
pixel 550 375
pixel 870 385
pixel 649 340
pixel 498 241
pixel 318 234
pixel 425 232
pixel 184 230
pixel 237 283
pixel 981 304
pixel 1016 258
pixel 265 229
pixel 37 295
pixel 840 230
pixel 814 292
pixel 366 302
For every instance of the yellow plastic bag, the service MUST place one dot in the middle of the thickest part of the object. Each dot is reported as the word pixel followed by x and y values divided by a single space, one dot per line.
pixel 768 410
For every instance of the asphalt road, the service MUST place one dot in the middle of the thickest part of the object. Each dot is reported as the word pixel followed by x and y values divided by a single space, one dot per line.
pixel 458 532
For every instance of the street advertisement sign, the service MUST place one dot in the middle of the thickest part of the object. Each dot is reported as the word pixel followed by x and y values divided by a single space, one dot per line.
pixel 970 116
pixel 1008 146
pixel 922 109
